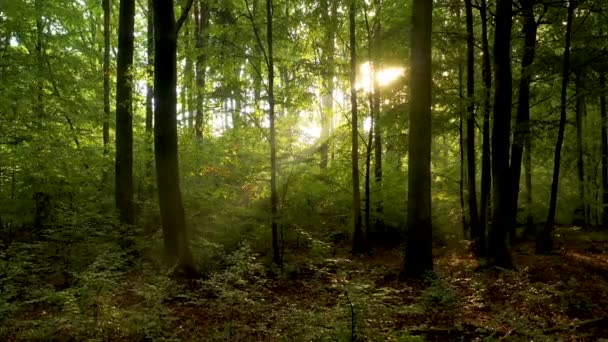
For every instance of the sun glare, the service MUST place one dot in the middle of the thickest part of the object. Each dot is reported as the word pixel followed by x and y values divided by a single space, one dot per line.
pixel 384 76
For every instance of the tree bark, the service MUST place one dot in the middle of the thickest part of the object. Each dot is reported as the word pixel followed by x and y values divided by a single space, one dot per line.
pixel 124 112
pixel 471 170
pixel 499 253
pixel 165 137
pixel 202 25
pixel 276 256
pixel 358 238
pixel 328 17
pixel 521 135
pixel 107 12
pixel 150 71
pixel 479 242
pixel 579 147
pixel 418 252
pixel 544 241
pixel 463 211
pixel 604 149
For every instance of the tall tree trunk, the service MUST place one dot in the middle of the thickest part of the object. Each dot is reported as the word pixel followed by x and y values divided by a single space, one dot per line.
pixel 479 242
pixel 368 159
pixel 544 241
pixel 107 12
pixel 521 135
pixel 328 17
pixel 38 6
pixel 604 149
pixel 463 210
pixel 471 171
pixel 150 70
pixel 499 253
pixel 149 121
pixel 528 180
pixel 124 113
pixel 276 256
pixel 202 25
pixel 377 97
pixel 165 137
pixel 418 253
pixel 579 147
pixel 358 238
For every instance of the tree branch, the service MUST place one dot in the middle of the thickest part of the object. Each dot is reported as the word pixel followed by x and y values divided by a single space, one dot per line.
pixel 183 16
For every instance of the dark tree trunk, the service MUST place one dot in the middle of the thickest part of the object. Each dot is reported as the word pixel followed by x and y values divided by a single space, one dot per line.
pixel 149 124
pixel 124 113
pixel 499 253
pixel 165 137
pixel 38 6
pixel 368 161
pixel 107 12
pixel 579 147
pixel 463 211
pixel 471 170
pixel 521 135
pixel 276 255
pixel 544 241
pixel 376 98
pixel 202 25
pixel 358 238
pixel 604 150
pixel 418 251
pixel 479 242
pixel 150 71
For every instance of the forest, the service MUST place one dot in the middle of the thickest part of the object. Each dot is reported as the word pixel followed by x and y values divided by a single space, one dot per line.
pixel 312 170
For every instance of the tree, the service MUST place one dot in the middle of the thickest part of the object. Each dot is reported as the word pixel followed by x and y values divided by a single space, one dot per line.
pixel 165 135
pixel 418 251
pixel 107 12
pixel 201 16
pixel 479 241
pixel 544 240
pixel 329 20
pixel 358 238
pixel 471 172
pixel 604 149
pixel 521 136
pixel 499 253
pixel 274 199
pixel 124 113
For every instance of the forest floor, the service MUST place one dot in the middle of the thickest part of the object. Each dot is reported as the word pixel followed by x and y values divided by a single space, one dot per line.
pixel 563 296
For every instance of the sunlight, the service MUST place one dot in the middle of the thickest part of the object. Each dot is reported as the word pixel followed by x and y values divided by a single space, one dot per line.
pixel 384 76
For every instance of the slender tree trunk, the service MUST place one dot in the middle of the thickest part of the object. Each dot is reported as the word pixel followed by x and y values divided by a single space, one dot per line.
pixel 202 25
pixel 328 17
pixel 107 12
pixel 165 137
pixel 528 180
pixel 499 253
pixel 124 113
pixel 379 223
pixel 463 210
pixel 604 149
pixel 479 242
pixel 544 241
pixel 150 72
pixel 368 159
pixel 276 256
pixel 38 5
pixel 358 238
pixel 471 170
pixel 579 147
pixel 521 135
pixel 418 253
